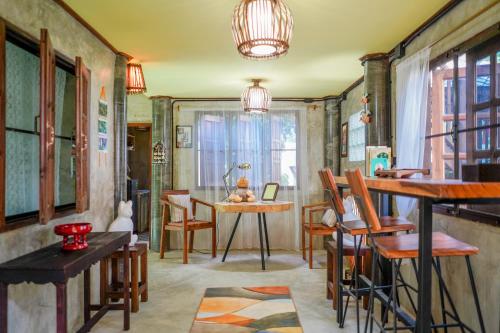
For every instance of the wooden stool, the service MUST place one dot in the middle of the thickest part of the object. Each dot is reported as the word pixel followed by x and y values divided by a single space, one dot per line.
pixel 114 291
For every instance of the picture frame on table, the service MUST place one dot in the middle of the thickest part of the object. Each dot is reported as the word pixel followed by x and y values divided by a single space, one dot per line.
pixel 184 136
pixel 344 135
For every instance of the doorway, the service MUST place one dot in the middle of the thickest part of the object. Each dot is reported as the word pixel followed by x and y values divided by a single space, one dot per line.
pixel 139 150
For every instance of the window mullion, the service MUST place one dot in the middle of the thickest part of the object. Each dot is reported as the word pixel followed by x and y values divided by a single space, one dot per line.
pixel 456 110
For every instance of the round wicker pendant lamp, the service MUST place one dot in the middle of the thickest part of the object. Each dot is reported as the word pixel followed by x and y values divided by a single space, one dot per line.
pixel 256 99
pixel 262 29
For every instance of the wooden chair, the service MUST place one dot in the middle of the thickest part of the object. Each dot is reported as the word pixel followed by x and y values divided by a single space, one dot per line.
pixel 313 229
pixel 398 247
pixel 186 226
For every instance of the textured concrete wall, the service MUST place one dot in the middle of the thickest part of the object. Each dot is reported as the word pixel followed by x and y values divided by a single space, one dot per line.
pixel 32 307
pixel 485 237
pixel 139 109
pixel 331 132
pixel 351 105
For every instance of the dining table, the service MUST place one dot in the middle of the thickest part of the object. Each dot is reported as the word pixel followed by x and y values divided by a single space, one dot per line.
pixel 258 207
pixel 428 192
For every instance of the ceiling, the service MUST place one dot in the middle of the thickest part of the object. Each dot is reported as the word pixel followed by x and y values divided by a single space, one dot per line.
pixel 186 46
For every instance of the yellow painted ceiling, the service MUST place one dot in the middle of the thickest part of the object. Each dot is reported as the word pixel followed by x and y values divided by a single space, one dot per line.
pixel 187 50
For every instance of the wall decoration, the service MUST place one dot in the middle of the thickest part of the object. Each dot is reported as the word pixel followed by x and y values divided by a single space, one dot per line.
pixel 102 123
pixel 159 155
pixel 184 137
pixel 343 139
pixel 377 158
pixel 366 115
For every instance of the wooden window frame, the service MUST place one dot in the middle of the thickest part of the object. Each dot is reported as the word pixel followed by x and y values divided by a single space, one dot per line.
pixel 474 48
pixel 48 59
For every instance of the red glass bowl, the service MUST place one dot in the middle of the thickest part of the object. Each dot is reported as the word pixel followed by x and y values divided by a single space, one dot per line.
pixel 74 235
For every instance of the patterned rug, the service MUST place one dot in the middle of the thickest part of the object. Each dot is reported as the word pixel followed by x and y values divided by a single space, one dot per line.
pixel 247 310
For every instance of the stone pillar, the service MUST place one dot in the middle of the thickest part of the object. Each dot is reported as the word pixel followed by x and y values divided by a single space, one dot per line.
pixel 332 131
pixel 162 178
pixel 120 127
pixel 375 77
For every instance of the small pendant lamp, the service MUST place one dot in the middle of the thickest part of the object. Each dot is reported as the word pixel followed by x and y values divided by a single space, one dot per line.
pixel 135 79
pixel 256 99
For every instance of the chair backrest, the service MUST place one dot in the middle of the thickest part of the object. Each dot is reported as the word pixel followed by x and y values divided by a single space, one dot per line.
pixel 363 198
pixel 329 185
pixel 166 214
pixel 166 193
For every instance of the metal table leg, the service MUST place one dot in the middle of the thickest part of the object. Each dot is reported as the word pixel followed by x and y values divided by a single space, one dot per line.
pixel 261 245
pixel 231 238
pixel 265 233
pixel 423 322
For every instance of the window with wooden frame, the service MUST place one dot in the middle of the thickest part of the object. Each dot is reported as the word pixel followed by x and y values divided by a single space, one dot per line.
pixel 43 130
pixel 463 124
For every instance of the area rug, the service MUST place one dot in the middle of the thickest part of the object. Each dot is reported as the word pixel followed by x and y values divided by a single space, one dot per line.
pixel 247 310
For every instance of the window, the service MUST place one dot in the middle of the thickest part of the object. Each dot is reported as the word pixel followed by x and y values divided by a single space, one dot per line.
pixel 464 114
pixel 268 142
pixel 41 150
pixel 357 138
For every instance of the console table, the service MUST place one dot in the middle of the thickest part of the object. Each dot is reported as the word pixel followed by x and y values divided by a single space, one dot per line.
pixel 53 265
pixel 261 208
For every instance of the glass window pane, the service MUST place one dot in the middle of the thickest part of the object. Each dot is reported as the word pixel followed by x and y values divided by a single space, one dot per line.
pixel 498 73
pixel 22 141
pixel 483 80
pixel 498 128
pixel 439 157
pixel 482 137
pixel 65 176
pixel 441 99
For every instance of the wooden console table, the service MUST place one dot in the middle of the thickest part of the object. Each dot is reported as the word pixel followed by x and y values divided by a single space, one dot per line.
pixel 53 265
pixel 261 208
pixel 429 192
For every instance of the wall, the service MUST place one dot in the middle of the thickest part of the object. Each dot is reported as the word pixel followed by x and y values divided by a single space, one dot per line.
pixel 139 109
pixel 184 175
pixel 485 237
pixel 32 307
pixel 351 105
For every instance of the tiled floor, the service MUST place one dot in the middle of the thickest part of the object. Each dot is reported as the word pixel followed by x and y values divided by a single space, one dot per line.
pixel 175 290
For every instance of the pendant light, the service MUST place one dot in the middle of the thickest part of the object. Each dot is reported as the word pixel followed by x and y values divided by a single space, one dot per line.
pixel 135 79
pixel 256 99
pixel 262 29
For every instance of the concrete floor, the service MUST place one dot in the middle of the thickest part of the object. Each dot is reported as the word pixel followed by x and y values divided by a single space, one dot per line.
pixel 175 290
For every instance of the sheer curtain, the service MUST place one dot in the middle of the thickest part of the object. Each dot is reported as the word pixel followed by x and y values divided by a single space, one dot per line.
pixel 274 146
pixel 412 77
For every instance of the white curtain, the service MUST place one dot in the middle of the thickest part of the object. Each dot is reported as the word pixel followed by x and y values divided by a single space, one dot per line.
pixel 412 77
pixel 275 144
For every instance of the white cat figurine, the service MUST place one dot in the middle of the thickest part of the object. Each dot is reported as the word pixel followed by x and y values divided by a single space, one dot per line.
pixel 124 222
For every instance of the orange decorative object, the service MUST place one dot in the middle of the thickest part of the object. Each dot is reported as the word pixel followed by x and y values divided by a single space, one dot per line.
pixel 135 79
pixel 242 182
pixel 74 235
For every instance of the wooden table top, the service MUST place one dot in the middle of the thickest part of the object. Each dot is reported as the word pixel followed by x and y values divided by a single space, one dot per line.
pixel 430 188
pixel 52 264
pixel 253 207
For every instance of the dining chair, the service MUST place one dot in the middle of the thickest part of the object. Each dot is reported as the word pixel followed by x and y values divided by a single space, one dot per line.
pixel 186 221
pixel 395 248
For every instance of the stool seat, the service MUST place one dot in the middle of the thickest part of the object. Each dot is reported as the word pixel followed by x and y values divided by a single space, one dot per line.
pixel 406 246
pixel 388 224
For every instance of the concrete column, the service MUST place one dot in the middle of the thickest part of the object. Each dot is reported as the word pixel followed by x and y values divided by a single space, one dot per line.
pixel 332 132
pixel 375 78
pixel 162 178
pixel 120 127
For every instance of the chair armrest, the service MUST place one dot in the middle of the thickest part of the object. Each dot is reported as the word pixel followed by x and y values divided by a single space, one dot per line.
pixel 318 204
pixel 201 202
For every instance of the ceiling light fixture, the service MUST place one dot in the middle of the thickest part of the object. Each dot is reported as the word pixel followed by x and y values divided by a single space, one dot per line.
pixel 135 79
pixel 262 29
pixel 255 98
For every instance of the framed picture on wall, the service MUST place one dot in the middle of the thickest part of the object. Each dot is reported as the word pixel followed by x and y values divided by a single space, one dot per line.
pixel 184 136
pixel 343 139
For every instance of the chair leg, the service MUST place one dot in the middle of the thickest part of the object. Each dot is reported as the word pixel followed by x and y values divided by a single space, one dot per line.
pixel 191 241
pixel 134 290
pixel 162 241
pixel 367 271
pixel 185 248
pixel 335 293
pixel 371 303
pixel 329 271
pixel 474 293
pixel 310 251
pixel 303 242
pixel 214 242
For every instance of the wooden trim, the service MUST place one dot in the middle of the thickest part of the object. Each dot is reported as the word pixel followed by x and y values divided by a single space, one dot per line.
pixel 352 86
pixel 47 131
pixel 3 107
pixel 87 26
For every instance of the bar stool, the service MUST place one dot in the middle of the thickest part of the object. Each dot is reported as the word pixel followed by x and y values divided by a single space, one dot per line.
pixel 358 230
pixel 399 247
